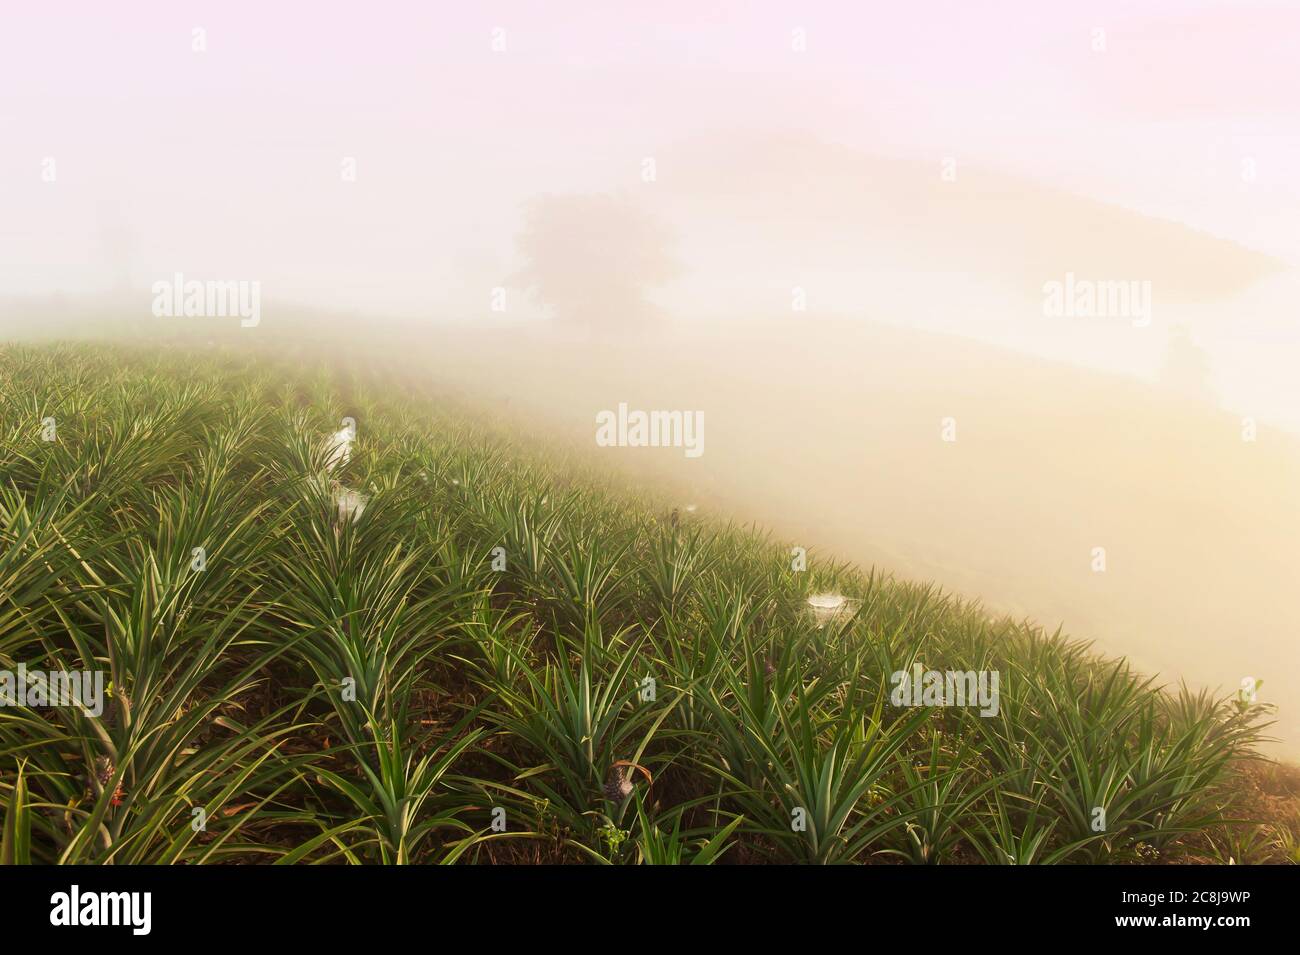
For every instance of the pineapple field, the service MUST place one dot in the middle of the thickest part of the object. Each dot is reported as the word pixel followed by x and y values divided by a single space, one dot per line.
pixel 324 616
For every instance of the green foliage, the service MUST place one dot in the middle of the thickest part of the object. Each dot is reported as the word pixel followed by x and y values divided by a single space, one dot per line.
pixel 330 686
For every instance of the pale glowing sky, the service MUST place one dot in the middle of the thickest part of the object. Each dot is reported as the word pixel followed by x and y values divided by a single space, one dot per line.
pixel 225 164
pixel 777 169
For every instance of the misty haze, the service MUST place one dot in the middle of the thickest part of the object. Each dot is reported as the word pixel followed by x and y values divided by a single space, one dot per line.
pixel 722 346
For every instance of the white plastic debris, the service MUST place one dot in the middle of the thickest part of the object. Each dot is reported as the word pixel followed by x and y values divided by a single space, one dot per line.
pixel 826 607
pixel 351 504
pixel 339 447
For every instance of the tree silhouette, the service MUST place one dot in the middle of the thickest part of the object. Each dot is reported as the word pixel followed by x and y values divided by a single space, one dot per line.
pixel 1186 370
pixel 592 257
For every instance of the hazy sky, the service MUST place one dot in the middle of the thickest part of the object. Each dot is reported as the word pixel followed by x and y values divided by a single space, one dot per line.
pixel 797 147
pixel 226 162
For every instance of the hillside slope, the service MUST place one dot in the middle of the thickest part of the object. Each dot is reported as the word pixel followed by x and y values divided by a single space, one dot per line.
pixel 350 670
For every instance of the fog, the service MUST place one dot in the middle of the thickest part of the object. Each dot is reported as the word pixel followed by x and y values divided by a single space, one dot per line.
pixel 962 294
